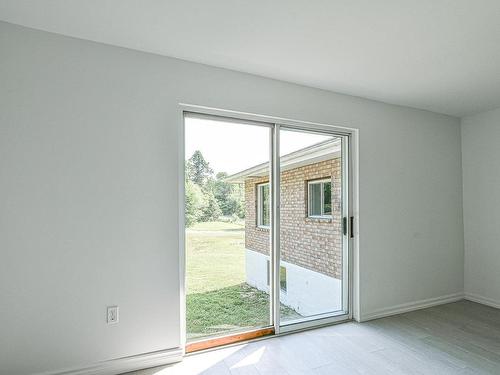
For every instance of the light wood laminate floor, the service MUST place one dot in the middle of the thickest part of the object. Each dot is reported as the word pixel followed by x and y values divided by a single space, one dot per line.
pixel 456 338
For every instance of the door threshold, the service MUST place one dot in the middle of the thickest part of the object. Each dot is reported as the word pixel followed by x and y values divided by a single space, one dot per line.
pixel 229 339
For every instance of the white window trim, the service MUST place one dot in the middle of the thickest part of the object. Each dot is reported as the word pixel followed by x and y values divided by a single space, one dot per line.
pixel 259 211
pixel 313 182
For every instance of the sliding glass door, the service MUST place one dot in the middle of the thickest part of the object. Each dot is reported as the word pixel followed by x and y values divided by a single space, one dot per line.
pixel 227 225
pixel 266 227
pixel 313 280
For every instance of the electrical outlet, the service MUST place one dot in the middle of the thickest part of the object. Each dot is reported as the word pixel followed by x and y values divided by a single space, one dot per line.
pixel 112 314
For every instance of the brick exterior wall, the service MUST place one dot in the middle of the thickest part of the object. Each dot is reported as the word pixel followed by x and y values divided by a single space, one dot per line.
pixel 315 244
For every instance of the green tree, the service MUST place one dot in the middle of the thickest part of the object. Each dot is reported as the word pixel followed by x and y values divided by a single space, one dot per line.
pixel 212 211
pixel 229 196
pixel 237 201
pixel 198 169
pixel 196 203
pixel 209 197
pixel 222 191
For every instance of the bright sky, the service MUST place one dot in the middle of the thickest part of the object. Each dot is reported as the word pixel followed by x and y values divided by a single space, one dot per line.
pixel 233 147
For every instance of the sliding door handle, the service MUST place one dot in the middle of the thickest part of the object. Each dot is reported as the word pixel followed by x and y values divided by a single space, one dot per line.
pixel 351 226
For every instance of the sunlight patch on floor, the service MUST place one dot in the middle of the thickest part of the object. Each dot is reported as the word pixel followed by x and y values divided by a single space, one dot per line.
pixel 251 359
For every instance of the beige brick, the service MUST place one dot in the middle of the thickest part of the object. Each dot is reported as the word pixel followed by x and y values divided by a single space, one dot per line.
pixel 310 243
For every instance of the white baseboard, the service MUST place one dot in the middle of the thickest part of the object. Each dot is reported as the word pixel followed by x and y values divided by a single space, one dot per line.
pixel 482 300
pixel 411 306
pixel 125 364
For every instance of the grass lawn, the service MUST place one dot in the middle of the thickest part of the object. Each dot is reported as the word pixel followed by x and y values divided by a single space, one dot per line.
pixel 227 309
pixel 215 256
pixel 218 299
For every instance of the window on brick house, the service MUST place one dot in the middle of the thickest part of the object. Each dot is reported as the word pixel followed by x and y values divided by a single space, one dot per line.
pixel 282 276
pixel 320 198
pixel 263 216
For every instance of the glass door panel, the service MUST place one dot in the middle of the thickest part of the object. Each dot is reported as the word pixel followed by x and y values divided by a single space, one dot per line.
pixel 227 235
pixel 312 273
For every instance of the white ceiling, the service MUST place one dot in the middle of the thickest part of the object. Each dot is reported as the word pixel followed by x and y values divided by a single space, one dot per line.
pixel 440 55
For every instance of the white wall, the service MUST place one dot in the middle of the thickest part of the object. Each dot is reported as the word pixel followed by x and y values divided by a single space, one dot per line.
pixel 481 179
pixel 89 194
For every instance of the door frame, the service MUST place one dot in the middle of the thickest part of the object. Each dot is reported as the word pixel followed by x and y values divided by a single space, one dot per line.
pixel 350 138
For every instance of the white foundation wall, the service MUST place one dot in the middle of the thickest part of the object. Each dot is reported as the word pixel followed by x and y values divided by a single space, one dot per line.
pixel 90 165
pixel 256 269
pixel 308 292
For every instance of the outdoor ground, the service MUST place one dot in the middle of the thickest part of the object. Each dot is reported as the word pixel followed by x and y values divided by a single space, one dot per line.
pixel 218 299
